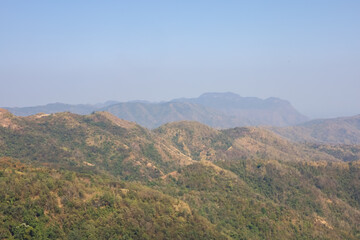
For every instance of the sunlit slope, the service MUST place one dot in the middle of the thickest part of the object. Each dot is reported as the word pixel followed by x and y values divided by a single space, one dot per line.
pixel 242 183
pixel 96 142
pixel 41 203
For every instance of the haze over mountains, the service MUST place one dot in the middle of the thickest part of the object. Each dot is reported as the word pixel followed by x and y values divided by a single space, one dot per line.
pixel 342 130
pixel 220 110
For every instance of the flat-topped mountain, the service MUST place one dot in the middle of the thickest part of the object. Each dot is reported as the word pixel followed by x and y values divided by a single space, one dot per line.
pixel 220 110
pixel 231 100
pixel 248 111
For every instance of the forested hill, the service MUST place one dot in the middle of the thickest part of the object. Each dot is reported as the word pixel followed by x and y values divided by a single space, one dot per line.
pixel 69 176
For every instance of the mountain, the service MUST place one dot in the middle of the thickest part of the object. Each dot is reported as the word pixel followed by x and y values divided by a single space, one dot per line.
pixel 344 130
pixel 69 176
pixel 249 111
pixel 152 115
pixel 220 110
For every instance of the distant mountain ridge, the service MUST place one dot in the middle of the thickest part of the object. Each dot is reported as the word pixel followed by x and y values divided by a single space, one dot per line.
pixel 248 111
pixel 82 109
pixel 231 100
pixel 342 130
pixel 220 110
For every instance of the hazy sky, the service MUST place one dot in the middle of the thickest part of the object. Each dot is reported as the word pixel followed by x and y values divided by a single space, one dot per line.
pixel 307 52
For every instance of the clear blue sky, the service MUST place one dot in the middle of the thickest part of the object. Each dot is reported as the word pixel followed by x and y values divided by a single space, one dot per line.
pixel 307 52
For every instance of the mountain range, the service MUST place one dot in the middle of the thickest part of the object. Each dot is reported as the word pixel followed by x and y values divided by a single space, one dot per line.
pixel 219 110
pixel 69 176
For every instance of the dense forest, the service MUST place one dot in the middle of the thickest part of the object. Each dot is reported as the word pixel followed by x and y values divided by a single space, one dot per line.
pixel 66 176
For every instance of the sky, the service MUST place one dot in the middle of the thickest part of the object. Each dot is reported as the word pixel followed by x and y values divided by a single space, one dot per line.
pixel 304 51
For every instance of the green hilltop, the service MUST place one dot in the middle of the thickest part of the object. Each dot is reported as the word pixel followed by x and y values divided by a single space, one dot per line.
pixel 69 176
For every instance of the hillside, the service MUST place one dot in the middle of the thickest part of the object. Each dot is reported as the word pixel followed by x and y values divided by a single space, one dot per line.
pixel 96 142
pixel 41 203
pixel 345 130
pixel 97 176
pixel 219 110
